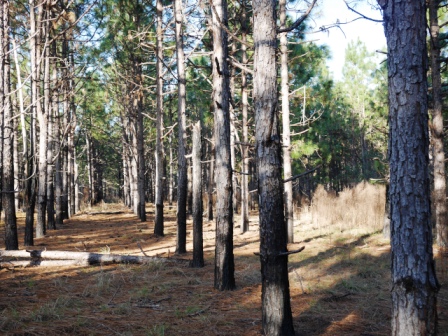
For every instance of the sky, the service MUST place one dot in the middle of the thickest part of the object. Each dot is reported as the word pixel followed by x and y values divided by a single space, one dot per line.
pixel 371 33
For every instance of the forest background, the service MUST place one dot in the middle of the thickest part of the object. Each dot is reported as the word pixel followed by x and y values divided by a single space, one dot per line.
pixel 91 90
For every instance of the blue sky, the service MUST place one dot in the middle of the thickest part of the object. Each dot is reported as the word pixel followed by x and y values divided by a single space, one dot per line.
pixel 371 33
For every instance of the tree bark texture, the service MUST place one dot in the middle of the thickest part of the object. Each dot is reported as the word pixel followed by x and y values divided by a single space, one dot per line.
pixel 276 306
pixel 414 282
pixel 140 144
pixel 224 260
pixel 182 183
pixel 198 249
pixel 158 226
pixel 437 129
pixel 11 239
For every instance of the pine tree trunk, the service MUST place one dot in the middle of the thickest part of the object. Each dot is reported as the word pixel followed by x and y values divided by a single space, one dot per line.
pixel 287 171
pixel 182 182
pixel 198 249
pixel 43 127
pixel 224 260
pixel 140 145
pixel 437 129
pixel 276 306
pixel 211 183
pixel 158 225
pixel 11 239
pixel 414 282
pixel 244 226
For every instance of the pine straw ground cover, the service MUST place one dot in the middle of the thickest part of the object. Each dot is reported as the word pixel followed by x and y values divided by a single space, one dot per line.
pixel 339 283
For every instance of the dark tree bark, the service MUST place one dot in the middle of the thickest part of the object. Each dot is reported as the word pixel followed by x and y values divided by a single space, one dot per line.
pixel 158 225
pixel 182 182
pixel 11 239
pixel 414 282
pixel 198 250
pixel 224 260
pixel 276 306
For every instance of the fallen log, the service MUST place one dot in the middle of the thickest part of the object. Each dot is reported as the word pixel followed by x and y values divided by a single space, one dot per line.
pixel 42 263
pixel 85 258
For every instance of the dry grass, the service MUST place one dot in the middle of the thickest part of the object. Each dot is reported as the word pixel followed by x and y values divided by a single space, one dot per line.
pixel 339 283
pixel 356 211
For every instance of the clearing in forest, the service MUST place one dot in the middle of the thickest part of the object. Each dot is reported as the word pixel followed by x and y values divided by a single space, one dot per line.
pixel 340 283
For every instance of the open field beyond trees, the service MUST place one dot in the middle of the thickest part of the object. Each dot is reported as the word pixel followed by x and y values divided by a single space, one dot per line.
pixel 340 283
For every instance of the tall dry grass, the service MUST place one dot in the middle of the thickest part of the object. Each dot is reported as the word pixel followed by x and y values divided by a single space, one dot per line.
pixel 357 210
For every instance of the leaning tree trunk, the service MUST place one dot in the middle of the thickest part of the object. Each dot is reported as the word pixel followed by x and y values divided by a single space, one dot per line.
pixel 198 249
pixel 182 182
pixel 11 240
pixel 276 306
pixel 437 130
pixel 414 281
pixel 287 172
pixel 158 226
pixel 224 260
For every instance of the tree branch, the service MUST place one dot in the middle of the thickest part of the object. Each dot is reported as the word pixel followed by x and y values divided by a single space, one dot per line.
pixel 300 175
pixel 298 21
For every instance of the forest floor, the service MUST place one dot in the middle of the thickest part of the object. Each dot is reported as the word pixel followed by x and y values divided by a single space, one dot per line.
pixel 340 283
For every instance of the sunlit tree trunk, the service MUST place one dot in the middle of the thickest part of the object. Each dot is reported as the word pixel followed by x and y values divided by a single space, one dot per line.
pixel 276 306
pixel 414 282
pixel 158 225
pixel 43 128
pixel 224 260
pixel 289 213
pixel 437 129
pixel 182 135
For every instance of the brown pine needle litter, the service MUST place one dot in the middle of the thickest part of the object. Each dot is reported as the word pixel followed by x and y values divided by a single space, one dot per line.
pixel 339 283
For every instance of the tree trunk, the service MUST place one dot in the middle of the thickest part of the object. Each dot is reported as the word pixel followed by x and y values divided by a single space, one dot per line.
pixel 43 127
pixel 30 192
pixel 224 260
pixel 233 132
pixel 158 226
pixel 414 282
pixel 140 147
pixel 182 182
pixel 437 130
pixel 198 249
pixel 52 140
pixel 276 306
pixel 211 182
pixel 287 171
pixel 11 240
pixel 244 226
